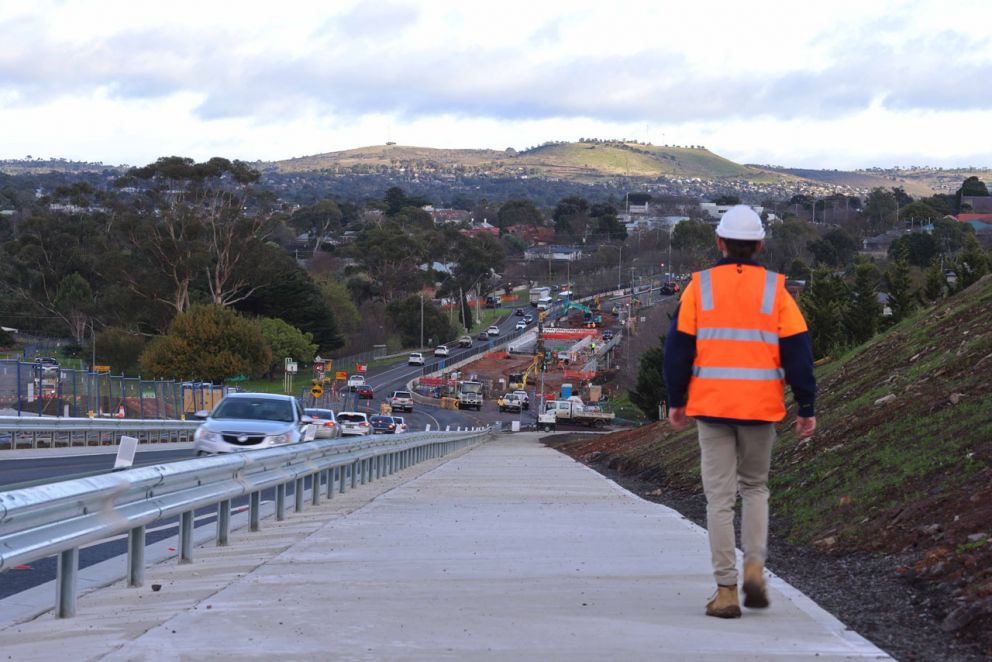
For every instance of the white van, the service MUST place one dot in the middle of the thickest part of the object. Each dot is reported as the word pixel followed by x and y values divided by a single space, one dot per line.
pixel 544 303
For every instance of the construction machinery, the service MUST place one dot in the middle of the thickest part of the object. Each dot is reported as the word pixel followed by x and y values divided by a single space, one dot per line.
pixel 518 380
pixel 590 318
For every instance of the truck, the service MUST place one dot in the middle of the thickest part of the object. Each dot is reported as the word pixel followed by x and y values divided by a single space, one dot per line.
pixel 538 293
pixel 470 395
pixel 573 412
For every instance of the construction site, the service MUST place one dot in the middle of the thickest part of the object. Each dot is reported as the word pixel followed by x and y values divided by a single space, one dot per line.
pixel 573 343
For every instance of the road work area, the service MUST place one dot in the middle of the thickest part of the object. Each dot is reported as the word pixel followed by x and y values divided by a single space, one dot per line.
pixel 509 550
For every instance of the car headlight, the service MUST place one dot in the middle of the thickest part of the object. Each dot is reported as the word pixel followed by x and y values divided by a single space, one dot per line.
pixel 203 434
pixel 284 438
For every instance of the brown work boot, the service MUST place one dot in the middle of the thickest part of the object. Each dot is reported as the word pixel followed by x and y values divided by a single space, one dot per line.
pixel 755 594
pixel 724 604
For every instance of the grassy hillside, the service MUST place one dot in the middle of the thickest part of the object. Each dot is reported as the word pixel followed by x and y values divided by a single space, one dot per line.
pixel 918 182
pixel 902 459
pixel 572 161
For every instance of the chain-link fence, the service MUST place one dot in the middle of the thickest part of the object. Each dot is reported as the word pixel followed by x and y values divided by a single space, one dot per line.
pixel 43 388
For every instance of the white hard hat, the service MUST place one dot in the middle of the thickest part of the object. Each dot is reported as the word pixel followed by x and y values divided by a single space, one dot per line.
pixel 740 222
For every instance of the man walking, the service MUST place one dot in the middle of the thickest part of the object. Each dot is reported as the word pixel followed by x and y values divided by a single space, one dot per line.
pixel 736 337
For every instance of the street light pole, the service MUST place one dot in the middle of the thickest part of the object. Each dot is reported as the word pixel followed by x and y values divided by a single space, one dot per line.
pixel 619 267
pixel 421 319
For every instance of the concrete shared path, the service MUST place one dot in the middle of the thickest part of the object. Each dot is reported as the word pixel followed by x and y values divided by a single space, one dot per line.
pixel 506 551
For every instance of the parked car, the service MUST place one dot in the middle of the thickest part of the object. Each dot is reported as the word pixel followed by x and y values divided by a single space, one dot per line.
pixel 465 341
pixel 519 312
pixel 326 422
pixel 354 423
pixel 401 401
pixel 382 424
pixel 415 358
pixel 441 350
pixel 493 330
pixel 365 392
pixel 250 421
pixel 354 381
pixel 524 398
pixel 520 325
pixel 400 424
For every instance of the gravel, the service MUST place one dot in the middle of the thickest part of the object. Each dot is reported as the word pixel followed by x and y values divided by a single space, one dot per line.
pixel 862 591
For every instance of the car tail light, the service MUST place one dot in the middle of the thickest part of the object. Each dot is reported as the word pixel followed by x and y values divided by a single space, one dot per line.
pixel 365 424
pixel 391 426
pixel 329 424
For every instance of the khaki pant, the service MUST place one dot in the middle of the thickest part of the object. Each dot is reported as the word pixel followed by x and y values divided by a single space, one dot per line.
pixel 735 457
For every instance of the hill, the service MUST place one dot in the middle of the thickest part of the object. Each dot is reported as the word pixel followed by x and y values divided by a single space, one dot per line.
pixel 917 181
pixel 900 467
pixel 582 161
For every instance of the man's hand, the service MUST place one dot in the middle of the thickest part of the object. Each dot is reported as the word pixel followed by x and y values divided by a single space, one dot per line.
pixel 805 426
pixel 677 418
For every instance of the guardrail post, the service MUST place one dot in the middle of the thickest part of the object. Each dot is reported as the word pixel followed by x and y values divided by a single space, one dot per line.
pixel 342 471
pixel 354 473
pixel 136 556
pixel 315 487
pixel 280 502
pixel 365 471
pixel 223 522
pixel 65 586
pixel 254 509
pixel 298 494
pixel 186 537
pixel 330 483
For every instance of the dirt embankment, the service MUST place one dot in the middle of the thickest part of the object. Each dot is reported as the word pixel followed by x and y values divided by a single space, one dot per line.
pixel 899 472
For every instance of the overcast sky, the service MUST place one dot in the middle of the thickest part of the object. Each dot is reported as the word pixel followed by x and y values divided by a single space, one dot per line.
pixel 836 85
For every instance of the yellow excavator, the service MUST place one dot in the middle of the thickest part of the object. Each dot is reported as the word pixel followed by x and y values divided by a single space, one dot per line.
pixel 518 380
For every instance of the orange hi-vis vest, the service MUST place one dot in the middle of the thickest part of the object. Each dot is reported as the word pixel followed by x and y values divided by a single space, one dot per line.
pixel 738 312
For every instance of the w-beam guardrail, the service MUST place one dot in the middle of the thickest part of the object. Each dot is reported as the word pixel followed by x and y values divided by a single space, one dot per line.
pixel 49 432
pixel 59 518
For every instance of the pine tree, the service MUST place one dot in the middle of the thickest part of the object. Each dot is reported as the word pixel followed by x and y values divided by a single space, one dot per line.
pixel 936 283
pixel 864 313
pixel 650 389
pixel 972 263
pixel 823 304
pixel 901 295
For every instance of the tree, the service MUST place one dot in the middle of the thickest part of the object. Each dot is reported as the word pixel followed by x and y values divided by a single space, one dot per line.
pixel 74 303
pixel 317 221
pixel 972 263
pixel 191 221
pixel 571 216
pixel 823 306
pixel 918 212
pixel 405 317
pixel 338 299
pixel 902 298
pixel 787 242
pixel 972 186
pixel 207 343
pixel 281 288
pixel 519 212
pixel 608 224
pixel 285 341
pixel 836 249
pixel 390 257
pixel 918 248
pixel 862 315
pixel 650 389
pixel 935 284
pixel 696 239
pixel 119 348
pixel 799 270
pixel 880 210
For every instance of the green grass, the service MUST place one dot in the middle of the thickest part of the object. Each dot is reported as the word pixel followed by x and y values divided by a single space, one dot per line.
pixel 624 408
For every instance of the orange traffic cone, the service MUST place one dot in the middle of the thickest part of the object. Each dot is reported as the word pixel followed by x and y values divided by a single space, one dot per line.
pixel 120 412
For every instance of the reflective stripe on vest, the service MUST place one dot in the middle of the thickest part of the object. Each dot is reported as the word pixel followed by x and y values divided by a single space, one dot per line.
pixel 706 290
pixel 747 335
pixel 748 374
pixel 768 297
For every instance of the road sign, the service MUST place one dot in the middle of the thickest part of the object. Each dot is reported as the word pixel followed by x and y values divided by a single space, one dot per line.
pixel 341 375
pixel 316 390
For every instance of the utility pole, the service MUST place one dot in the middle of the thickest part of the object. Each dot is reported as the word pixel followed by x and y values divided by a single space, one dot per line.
pixel 421 319
pixel 619 266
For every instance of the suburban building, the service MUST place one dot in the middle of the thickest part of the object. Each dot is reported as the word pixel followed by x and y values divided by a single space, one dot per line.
pixel 558 253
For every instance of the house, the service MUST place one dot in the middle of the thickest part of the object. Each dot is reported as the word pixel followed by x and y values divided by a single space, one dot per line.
pixel 879 245
pixel 715 211
pixel 531 234
pixel 481 228
pixel 448 216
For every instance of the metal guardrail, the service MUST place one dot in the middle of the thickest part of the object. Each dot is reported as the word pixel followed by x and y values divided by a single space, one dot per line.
pixel 58 518
pixel 31 432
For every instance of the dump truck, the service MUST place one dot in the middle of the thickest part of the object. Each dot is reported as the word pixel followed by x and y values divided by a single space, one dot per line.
pixel 470 395
pixel 573 412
